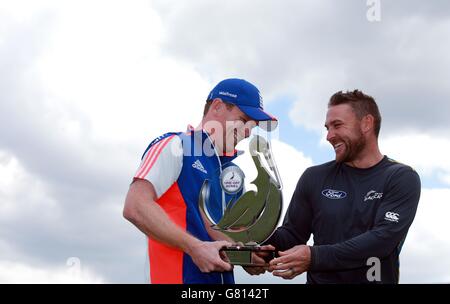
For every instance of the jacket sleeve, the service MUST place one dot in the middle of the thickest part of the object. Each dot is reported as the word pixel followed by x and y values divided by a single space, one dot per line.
pixel 297 223
pixel 161 164
pixel 393 218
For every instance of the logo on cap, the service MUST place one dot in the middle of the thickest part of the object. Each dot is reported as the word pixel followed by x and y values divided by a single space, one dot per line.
pixel 227 94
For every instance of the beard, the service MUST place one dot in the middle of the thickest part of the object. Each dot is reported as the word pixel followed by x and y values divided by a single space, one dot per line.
pixel 353 148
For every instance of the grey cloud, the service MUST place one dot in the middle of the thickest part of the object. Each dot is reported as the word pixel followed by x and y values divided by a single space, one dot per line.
pixel 33 124
pixel 300 46
pixel 87 179
pixel 53 223
pixel 290 48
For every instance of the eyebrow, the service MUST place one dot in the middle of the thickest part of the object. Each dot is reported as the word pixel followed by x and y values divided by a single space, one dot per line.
pixel 333 122
pixel 245 118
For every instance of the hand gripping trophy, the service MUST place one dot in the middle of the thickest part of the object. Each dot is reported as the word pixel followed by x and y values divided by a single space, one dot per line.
pixel 253 217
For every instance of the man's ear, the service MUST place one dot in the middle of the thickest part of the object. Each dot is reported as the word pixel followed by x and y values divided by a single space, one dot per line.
pixel 367 123
pixel 216 106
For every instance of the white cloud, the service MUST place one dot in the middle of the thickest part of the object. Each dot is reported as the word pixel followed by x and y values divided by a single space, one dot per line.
pixel 291 164
pixel 111 70
pixel 426 153
pixel 21 11
pixel 73 273
pixel 86 84
pixel 424 257
pixel 83 92
pixel 21 194
pixel 311 49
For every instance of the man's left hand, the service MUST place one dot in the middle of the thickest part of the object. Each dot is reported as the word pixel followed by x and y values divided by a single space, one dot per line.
pixel 291 262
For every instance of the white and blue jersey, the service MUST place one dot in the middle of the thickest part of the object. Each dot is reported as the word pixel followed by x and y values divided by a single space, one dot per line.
pixel 177 164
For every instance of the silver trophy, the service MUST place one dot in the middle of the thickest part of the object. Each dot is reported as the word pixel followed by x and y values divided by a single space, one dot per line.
pixel 253 217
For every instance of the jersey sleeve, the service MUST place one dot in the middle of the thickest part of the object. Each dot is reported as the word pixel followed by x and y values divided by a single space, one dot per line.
pixel 393 218
pixel 296 228
pixel 161 164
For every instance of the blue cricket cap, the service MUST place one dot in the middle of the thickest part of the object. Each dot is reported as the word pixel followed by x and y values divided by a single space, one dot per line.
pixel 247 98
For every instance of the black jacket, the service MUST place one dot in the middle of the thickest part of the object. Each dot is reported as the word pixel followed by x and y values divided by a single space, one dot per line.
pixel 354 215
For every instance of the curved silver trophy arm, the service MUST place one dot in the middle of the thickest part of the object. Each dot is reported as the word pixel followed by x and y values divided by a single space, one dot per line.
pixel 261 145
pixel 255 215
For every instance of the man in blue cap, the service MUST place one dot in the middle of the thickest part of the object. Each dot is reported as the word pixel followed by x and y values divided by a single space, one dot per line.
pixel 162 200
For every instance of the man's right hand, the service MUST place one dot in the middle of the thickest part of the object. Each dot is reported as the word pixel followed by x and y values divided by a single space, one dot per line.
pixel 207 257
pixel 259 258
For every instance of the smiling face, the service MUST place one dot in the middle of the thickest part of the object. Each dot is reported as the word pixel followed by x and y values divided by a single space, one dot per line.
pixel 237 126
pixel 228 125
pixel 344 132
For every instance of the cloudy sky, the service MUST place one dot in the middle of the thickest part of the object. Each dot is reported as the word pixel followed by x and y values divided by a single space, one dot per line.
pixel 85 85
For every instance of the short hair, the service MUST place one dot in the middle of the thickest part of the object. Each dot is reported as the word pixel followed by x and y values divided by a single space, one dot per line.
pixel 361 104
pixel 208 105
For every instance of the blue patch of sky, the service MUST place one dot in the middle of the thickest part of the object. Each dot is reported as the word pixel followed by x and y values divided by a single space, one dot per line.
pixel 304 140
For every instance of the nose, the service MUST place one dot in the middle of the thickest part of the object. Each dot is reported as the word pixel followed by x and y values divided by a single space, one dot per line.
pixel 330 135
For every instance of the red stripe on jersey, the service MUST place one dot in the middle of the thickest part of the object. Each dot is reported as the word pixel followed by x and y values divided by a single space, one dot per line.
pixel 152 156
pixel 166 263
pixel 146 160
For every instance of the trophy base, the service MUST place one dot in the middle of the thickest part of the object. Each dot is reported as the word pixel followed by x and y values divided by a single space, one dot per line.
pixel 242 255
